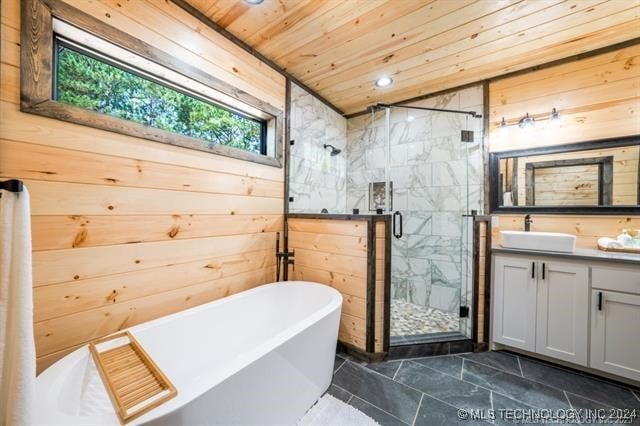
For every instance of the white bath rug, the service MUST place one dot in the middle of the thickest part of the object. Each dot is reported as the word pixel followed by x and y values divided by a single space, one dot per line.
pixel 330 411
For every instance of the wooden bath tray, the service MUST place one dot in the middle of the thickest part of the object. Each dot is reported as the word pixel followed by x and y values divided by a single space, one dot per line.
pixel 635 250
pixel 134 382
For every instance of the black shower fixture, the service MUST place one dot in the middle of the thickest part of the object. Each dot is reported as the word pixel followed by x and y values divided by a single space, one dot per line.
pixel 334 151
pixel 466 135
pixel 380 105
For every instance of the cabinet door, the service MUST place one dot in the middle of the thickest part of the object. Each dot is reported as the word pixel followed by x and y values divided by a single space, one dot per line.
pixel 514 314
pixel 615 333
pixel 563 311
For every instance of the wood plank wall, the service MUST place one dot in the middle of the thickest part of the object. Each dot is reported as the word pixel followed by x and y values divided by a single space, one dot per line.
pixel 597 98
pixel 334 252
pixel 587 229
pixel 380 287
pixel 483 286
pixel 126 230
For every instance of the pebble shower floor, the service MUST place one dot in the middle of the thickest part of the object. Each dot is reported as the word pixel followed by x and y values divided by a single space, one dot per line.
pixel 408 319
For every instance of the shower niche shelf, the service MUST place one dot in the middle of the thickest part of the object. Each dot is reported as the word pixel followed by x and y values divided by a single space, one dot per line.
pixel 134 382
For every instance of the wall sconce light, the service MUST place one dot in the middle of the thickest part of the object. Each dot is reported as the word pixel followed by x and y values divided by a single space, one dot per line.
pixel 526 122
pixel 503 128
pixel 554 120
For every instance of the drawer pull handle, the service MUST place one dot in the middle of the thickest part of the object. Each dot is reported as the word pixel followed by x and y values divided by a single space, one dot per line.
pixel 543 268
pixel 533 270
pixel 599 300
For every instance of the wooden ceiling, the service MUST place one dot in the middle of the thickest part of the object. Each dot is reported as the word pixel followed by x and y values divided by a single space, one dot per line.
pixel 340 47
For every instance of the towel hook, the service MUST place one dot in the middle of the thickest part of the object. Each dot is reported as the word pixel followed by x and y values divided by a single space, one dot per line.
pixel 12 185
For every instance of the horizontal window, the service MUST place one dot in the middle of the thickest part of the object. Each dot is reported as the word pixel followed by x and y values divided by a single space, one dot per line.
pixel 107 79
pixel 85 81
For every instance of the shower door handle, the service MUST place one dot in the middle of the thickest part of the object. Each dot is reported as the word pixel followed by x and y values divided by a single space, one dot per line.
pixel 397 219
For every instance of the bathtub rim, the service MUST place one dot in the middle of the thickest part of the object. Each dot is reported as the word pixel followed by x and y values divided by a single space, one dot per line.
pixel 52 380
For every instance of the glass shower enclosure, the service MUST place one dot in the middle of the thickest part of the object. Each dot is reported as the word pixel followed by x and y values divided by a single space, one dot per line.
pixel 425 167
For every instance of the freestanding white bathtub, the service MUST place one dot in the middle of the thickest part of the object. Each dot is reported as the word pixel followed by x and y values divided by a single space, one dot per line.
pixel 263 356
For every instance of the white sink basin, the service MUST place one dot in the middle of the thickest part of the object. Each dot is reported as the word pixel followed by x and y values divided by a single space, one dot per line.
pixel 543 241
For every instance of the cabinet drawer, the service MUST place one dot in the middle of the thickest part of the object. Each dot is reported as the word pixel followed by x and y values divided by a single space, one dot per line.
pixel 616 278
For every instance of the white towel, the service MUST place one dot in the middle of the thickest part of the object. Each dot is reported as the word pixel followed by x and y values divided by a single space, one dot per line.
pixel 330 411
pixel 607 242
pixel 17 347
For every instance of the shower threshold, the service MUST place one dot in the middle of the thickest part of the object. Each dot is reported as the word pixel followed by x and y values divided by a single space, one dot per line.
pixel 435 344
pixel 427 338
pixel 424 331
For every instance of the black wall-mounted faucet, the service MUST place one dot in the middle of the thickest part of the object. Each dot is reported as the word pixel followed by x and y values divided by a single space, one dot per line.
pixel 283 260
pixel 527 223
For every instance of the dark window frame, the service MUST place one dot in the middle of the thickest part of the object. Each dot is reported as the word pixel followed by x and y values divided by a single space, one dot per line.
pixel 38 43
pixel 131 69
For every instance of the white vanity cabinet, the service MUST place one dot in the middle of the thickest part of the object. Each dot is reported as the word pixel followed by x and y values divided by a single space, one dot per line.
pixel 586 312
pixel 541 305
pixel 562 319
pixel 514 307
pixel 615 321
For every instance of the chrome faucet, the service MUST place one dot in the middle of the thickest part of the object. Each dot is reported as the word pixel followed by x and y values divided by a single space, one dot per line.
pixel 527 223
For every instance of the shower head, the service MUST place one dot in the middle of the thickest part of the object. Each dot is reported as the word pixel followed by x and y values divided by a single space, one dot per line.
pixel 334 151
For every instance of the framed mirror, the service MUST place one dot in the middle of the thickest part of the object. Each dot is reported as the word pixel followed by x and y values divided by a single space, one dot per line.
pixel 595 177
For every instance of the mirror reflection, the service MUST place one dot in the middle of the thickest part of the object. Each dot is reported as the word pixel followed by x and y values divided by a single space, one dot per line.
pixel 592 177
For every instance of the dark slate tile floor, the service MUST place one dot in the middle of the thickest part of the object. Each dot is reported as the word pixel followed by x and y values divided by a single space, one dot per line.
pixel 432 390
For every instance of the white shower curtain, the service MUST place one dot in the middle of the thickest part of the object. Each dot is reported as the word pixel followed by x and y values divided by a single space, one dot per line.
pixel 17 347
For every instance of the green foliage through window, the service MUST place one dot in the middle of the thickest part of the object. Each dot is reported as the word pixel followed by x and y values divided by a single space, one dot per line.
pixel 93 84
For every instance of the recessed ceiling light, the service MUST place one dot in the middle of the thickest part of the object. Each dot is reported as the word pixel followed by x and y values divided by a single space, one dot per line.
pixel 254 1
pixel 384 81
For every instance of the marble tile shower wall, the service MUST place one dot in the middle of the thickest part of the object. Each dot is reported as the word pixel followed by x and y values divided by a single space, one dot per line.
pixel 317 180
pixel 436 178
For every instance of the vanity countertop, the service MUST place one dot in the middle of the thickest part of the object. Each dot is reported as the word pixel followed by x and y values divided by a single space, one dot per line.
pixel 578 254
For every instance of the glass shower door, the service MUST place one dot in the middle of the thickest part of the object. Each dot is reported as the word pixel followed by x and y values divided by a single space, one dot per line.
pixel 434 177
pixel 473 203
